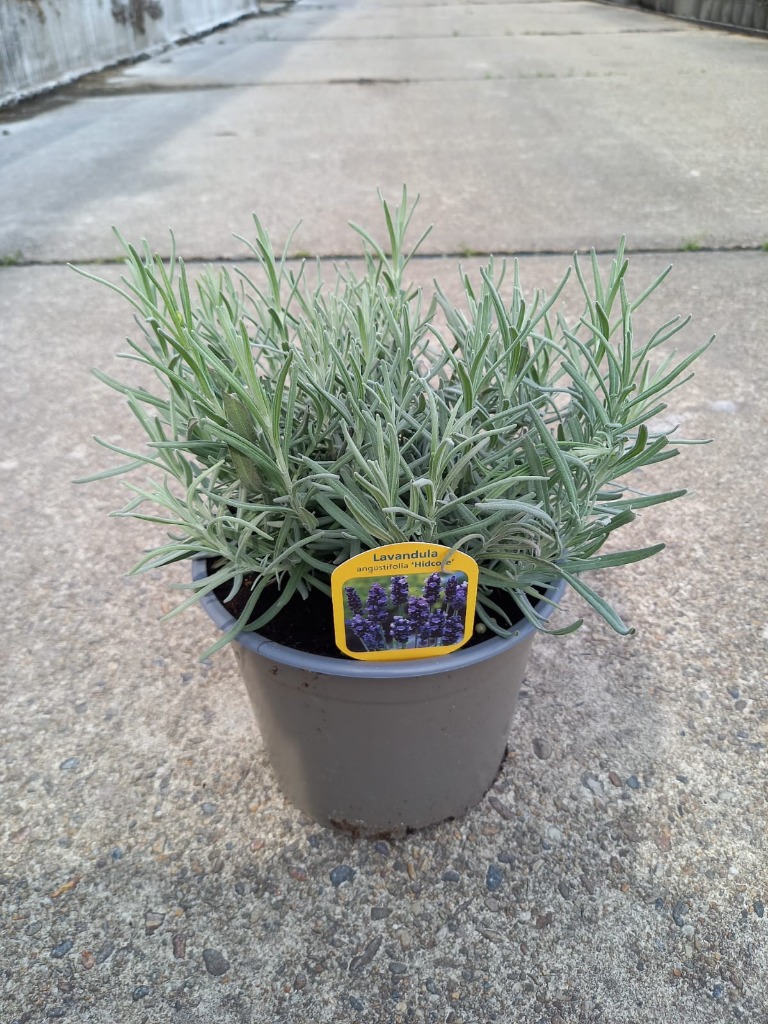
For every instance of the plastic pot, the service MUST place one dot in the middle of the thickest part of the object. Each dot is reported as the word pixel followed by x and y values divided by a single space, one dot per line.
pixel 381 749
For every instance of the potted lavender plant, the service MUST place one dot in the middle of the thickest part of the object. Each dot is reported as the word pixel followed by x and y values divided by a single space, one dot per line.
pixel 297 425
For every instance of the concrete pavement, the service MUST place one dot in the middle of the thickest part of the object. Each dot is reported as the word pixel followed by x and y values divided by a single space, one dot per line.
pixel 654 127
pixel 150 870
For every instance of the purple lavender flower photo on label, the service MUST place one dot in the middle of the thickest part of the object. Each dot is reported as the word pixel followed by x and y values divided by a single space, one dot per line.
pixel 405 612
pixel 403 601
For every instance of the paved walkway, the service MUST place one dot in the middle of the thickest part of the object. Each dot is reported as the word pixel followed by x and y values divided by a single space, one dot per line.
pixel 150 868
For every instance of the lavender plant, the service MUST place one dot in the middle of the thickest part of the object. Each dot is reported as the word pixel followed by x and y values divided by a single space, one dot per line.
pixel 295 424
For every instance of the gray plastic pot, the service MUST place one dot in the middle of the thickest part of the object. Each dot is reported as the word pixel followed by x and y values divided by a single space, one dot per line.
pixel 380 749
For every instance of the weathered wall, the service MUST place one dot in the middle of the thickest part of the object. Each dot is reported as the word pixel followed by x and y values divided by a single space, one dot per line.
pixel 745 14
pixel 46 42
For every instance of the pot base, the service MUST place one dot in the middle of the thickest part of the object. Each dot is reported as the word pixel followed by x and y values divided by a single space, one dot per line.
pixel 359 830
pixel 380 757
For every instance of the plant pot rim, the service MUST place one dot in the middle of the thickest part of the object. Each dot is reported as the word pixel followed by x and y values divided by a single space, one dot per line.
pixel 351 668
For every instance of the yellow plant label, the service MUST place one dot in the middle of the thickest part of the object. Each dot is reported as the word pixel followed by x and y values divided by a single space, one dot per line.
pixel 404 601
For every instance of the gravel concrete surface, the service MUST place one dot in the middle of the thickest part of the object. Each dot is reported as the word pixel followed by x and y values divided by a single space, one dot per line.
pixel 151 870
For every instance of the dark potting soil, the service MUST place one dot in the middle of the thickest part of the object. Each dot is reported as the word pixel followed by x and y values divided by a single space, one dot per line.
pixel 306 624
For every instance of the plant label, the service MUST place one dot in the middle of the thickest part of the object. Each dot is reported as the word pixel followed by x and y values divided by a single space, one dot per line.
pixel 404 601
